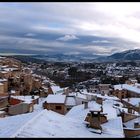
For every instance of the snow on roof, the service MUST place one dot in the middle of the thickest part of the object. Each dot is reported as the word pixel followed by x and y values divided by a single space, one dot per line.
pixel 1 112
pixel 44 87
pixel 104 84
pixel 51 124
pixel 10 69
pixel 3 80
pixel 5 66
pixel 56 89
pixel 108 97
pixel 133 101
pixel 13 91
pixel 56 98
pixel 130 124
pixel 114 127
pixel 46 81
pixel 70 100
pixel 3 71
pixel 132 88
pixel 118 76
pixel 27 99
pixel 46 123
pixel 99 95
pixel 1 57
pixel 119 87
pixel 78 94
pixel 9 125
pixel 80 113
pixel 108 108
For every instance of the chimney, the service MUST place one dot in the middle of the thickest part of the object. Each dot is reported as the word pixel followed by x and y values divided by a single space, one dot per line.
pixel 101 108
pixel 136 124
pixel 33 97
pixel 85 105
pixel 128 99
pixel 130 109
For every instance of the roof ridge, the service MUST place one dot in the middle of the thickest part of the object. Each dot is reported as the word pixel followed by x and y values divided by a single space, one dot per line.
pixel 27 123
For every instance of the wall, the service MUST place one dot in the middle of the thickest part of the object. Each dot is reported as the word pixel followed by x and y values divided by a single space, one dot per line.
pixel 19 109
pixel 3 102
pixel 52 106
pixel 1 88
pixel 79 101
pixel 127 117
pixel 131 133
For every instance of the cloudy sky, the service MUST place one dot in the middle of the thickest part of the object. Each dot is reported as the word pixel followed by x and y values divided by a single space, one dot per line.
pixel 69 28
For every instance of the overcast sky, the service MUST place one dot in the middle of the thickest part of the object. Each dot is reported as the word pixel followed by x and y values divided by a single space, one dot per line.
pixel 69 28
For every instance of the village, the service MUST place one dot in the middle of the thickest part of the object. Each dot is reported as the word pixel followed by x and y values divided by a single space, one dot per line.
pixel 33 105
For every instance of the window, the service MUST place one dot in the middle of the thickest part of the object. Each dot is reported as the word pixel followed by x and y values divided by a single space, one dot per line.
pixel 68 109
pixel 58 107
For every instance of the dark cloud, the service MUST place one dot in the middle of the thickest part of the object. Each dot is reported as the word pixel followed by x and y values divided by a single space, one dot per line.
pixel 66 28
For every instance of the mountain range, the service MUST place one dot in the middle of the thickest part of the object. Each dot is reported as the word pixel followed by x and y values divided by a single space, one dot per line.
pixel 124 55
pixel 129 55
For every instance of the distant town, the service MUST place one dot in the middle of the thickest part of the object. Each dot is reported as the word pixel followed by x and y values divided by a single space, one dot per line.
pixel 41 98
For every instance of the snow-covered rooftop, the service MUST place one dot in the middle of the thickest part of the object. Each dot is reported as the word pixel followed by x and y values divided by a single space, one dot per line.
pixel 1 84
pixel 70 100
pixel 132 88
pixel 56 98
pixel 101 96
pixel 27 99
pixel 130 124
pixel 10 125
pixel 133 101
pixel 10 69
pixel 56 89
pixel 79 95
pixel 3 80
pixel 51 124
pixel 3 71
pixel 114 124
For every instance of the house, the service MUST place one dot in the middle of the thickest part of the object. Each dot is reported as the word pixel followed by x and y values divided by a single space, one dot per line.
pixel 37 83
pixel 28 82
pixel 79 97
pixel 20 108
pixel 120 93
pixel 127 90
pixel 19 99
pixel 5 74
pixel 133 103
pixel 56 103
pixel 70 102
pixel 132 128
pixel 104 88
pixel 131 81
pixel 57 90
